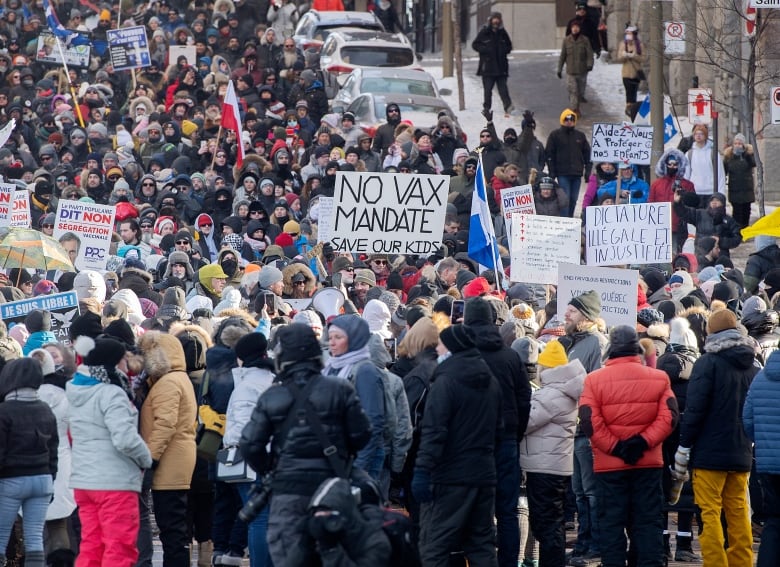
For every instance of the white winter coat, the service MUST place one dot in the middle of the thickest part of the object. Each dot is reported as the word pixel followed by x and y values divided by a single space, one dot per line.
pixel 700 171
pixel 248 385
pixel 548 445
pixel 64 503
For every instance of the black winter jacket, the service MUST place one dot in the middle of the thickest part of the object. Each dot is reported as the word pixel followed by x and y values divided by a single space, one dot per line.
pixel 758 266
pixel 712 423
pixel 724 227
pixel 508 368
pixel 461 423
pixel 568 153
pixel 301 464
pixel 493 47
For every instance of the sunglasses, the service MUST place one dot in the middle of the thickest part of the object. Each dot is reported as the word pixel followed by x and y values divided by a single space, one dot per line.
pixel 444 127
pixel 78 138
pixel 380 262
pixel 394 111
pixel 208 224
pixel 349 269
pixel 113 178
pixel 154 131
pixel 256 212
pixel 147 184
pixel 299 283
pixel 46 158
pixel 569 118
pixel 223 155
pixel 182 242
pixel 62 180
pixel 72 195
pixel 471 167
pixel 48 226
pixel 146 226
pixel 485 136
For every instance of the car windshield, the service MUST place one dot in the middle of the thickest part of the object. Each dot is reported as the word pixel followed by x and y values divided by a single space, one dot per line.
pixel 396 85
pixel 385 57
pixel 379 108
pixel 323 31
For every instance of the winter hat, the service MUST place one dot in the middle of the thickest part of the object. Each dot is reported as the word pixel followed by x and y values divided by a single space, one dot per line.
pixel 415 313
pixel 101 351
pixel 341 263
pixel 753 304
pixel 670 309
pixel 209 272
pixel 38 320
pixel 476 287
pixel 174 304
pixel 90 283
pixel 710 273
pixel 589 304
pixel 685 286
pixel 231 299
pixel 20 334
pixel 292 227
pixel 123 332
pixel 114 309
pixel 726 291
pixel 459 153
pixel 463 277
pixel 443 305
pixel 680 333
pixel 478 310
pixel 365 276
pixel 203 219
pixel 296 342
pixel 269 275
pixel 394 281
pixel 44 287
pixel 198 302
pixel 310 319
pixel 87 324
pixel 654 279
pixel 457 338
pixel 623 341
pixel 284 240
pixel 553 355
pixel 45 359
pixel 378 316
pixel 721 321
pixel 252 349
pixel 649 316
pixel 764 241
pixel 356 329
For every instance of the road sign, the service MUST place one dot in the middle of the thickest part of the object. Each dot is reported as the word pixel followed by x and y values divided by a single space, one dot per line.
pixel 774 101
pixel 699 106
pixel 674 38
pixel 749 19
pixel 765 3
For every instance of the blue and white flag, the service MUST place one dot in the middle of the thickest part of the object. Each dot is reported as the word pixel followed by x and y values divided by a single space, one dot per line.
pixel 643 111
pixel 69 37
pixel 670 130
pixel 483 247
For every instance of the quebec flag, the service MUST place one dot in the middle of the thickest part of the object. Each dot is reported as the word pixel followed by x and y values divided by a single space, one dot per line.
pixel 483 247
pixel 670 131
pixel 57 28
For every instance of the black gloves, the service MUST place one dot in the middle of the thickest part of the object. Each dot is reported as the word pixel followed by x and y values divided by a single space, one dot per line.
pixel 560 75
pixel 630 450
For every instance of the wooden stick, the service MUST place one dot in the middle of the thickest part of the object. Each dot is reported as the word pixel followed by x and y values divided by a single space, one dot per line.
pixel 214 157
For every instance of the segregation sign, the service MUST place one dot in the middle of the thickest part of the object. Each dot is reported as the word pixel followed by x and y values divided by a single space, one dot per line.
pixel 62 306
pixel 14 207
pixel 616 287
pixel 625 142
pixel 518 199
pixel 93 225
pixel 628 234
pixel 388 213
pixel 129 48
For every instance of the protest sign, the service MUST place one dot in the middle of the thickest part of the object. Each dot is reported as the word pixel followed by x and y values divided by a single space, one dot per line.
pixel 129 48
pixel 62 306
pixel 625 142
pixel 14 206
pixel 389 213
pixel 324 229
pixel 539 243
pixel 47 51
pixel 188 51
pixel 616 287
pixel 93 224
pixel 518 199
pixel 628 234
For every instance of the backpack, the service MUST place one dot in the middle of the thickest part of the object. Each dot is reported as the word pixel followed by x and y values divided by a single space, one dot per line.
pixel 389 403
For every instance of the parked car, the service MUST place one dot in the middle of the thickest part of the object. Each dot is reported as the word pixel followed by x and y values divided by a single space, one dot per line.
pixel 384 81
pixel 423 111
pixel 314 26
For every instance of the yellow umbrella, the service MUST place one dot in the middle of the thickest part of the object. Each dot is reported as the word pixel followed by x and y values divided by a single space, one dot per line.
pixel 28 248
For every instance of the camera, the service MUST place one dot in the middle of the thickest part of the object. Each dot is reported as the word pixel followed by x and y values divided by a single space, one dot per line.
pixel 257 500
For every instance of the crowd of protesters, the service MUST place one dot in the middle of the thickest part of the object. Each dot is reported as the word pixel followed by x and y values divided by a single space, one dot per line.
pixel 223 331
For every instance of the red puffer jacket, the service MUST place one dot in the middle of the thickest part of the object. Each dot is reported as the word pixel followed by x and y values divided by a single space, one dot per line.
pixel 623 399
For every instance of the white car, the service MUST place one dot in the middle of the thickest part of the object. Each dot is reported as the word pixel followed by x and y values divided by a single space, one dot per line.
pixel 386 80
pixel 314 26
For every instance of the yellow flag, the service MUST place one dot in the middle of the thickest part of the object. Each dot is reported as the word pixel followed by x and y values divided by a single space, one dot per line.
pixel 768 225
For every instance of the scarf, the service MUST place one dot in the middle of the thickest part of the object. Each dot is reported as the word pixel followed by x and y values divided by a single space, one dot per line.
pixel 23 395
pixel 341 366
pixel 114 376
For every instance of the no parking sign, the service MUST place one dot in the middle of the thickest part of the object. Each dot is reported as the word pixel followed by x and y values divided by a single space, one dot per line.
pixel 774 101
pixel 674 38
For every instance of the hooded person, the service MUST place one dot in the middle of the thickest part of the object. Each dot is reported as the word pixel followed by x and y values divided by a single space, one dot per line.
pixel 299 281
pixel 378 316
pixel 38 323
pixel 348 337
pixel 205 237
pixel 385 134
pixel 711 220
pixel 211 282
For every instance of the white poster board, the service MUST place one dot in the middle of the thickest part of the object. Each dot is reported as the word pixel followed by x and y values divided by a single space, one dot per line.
pixel 93 224
pixel 389 213
pixel 324 229
pixel 628 234
pixel 129 48
pixel 616 287
pixel 540 243
pixel 518 199
pixel 628 143
pixel 14 206
pixel 46 51
pixel 176 51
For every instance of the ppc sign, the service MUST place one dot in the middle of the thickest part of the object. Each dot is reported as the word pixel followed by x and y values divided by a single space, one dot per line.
pixel 627 143
pixel 93 225
pixel 388 213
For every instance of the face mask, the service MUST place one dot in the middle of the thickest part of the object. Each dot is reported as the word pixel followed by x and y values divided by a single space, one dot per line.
pixel 442 357
pixel 628 37
pixel 671 171
pixel 739 150
pixel 27 82
pixel 230 267
pixel 510 140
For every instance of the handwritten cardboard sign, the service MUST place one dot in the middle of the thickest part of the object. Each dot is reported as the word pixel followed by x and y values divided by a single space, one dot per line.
pixel 625 142
pixel 616 287
pixel 540 243
pixel 388 213
pixel 628 234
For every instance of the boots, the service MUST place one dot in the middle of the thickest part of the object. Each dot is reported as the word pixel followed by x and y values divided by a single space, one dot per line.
pixel 205 549
pixel 2 560
pixel 61 558
pixel 34 559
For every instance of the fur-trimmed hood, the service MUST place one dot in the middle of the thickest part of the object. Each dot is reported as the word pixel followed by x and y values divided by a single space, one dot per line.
pixel 250 159
pixel 658 331
pixel 292 270
pixel 682 169
pixel 501 173
pixel 162 354
pixel 728 153
pixel 141 100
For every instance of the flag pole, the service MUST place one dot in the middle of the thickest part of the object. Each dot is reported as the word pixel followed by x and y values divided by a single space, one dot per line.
pixel 214 157
pixel 72 88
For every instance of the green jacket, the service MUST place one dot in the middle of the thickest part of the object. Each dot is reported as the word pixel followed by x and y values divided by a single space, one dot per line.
pixel 577 54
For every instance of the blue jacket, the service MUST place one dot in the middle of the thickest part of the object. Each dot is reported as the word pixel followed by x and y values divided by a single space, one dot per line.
pixel 761 418
pixel 37 340
pixel 638 189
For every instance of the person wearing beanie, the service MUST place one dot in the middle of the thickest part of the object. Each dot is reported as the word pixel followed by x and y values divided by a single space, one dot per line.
pixel 713 443
pixel 480 318
pixel 546 452
pixel 627 410
pixel 455 470
pixel 29 439
pixel 108 454
pixel 38 324
pixel 167 415
pixel 89 283
pixel 211 282
pixel 299 364
pixel 271 279
pixel 365 279
pixel 711 219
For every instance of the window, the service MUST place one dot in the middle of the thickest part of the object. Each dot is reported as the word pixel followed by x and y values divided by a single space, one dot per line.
pixel 378 57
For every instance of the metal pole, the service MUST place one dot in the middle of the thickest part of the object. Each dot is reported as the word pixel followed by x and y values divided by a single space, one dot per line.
pixel 446 38
pixel 656 81
pixel 458 57
pixel 715 156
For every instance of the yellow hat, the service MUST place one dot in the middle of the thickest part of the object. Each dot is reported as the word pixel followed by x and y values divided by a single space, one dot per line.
pixel 188 127
pixel 553 355
pixel 567 113
pixel 105 14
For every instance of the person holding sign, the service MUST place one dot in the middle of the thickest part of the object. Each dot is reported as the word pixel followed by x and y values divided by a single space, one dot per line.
pixel 712 221
pixel 671 170
pixel 632 189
